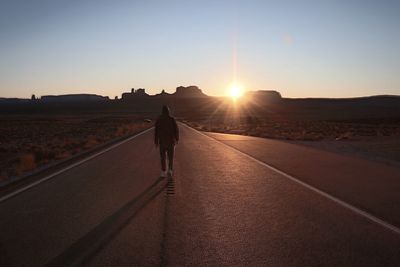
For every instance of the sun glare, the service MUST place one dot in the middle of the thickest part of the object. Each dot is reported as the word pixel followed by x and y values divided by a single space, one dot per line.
pixel 235 92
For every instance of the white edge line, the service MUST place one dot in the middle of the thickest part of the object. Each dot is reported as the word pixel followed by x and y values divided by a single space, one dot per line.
pixel 16 192
pixel 314 189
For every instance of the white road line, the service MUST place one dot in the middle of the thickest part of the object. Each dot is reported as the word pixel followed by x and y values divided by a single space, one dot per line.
pixel 354 209
pixel 12 194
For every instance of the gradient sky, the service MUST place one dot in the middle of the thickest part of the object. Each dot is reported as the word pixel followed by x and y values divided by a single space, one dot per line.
pixel 315 48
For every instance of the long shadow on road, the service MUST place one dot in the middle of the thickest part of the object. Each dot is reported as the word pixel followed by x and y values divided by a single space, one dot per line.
pixel 85 248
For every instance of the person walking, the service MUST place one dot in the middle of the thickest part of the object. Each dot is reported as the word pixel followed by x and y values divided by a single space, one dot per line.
pixel 166 136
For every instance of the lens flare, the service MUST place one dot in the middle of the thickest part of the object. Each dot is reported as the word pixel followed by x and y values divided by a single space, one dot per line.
pixel 235 92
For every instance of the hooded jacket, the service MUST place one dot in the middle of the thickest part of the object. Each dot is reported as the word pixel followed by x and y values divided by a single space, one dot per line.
pixel 166 130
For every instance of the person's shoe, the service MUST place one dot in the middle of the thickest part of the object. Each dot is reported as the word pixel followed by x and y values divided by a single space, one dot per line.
pixel 170 173
pixel 163 174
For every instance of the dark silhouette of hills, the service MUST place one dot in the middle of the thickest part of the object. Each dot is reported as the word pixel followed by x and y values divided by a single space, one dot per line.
pixel 73 98
pixel 263 96
pixel 189 92
pixel 4 100
pixel 380 106
pixel 134 94
pixel 191 102
pixel 181 91
pixel 265 93
pixel 163 94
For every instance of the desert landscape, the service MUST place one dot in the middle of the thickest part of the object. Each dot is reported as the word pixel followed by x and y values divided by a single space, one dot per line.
pixel 371 139
pixel 367 127
pixel 31 138
pixel 28 141
pixel 199 133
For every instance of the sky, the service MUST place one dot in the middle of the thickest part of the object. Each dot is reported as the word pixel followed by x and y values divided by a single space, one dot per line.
pixel 318 48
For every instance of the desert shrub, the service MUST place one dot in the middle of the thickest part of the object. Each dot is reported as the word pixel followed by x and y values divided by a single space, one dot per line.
pixel 91 142
pixel 44 154
pixel 63 155
pixel 133 127
pixel 29 143
pixel 120 131
pixel 3 176
pixel 26 163
pixel 251 121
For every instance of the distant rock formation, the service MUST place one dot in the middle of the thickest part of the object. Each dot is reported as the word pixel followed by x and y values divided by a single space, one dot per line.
pixel 189 91
pixel 270 95
pixel 14 100
pixel 134 94
pixel 74 98
pixel 163 94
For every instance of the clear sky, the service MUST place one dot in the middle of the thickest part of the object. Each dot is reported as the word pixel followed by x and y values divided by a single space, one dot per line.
pixel 315 48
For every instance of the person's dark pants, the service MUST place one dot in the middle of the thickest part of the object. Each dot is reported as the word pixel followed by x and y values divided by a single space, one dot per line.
pixel 167 151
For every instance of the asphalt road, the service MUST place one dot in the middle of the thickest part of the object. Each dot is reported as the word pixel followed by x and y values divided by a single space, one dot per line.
pixel 223 208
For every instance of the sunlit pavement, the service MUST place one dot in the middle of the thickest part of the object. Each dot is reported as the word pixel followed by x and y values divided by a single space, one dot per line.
pixel 222 209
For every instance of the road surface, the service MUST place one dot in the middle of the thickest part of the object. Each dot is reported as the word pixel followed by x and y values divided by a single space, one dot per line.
pixel 223 208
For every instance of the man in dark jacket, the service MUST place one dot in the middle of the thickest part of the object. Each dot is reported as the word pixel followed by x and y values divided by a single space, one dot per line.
pixel 166 136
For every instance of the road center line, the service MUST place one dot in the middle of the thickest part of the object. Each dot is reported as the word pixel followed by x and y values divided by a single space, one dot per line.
pixel 20 190
pixel 352 208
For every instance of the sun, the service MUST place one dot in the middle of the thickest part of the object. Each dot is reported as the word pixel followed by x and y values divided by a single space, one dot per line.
pixel 235 92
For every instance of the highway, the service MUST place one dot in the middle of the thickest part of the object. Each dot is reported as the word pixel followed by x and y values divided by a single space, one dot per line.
pixel 234 201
